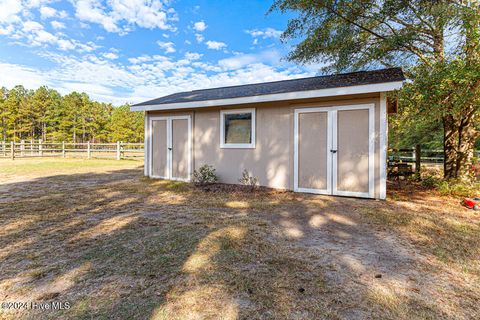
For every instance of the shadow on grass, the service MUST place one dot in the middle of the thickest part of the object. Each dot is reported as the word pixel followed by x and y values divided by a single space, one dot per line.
pixel 116 245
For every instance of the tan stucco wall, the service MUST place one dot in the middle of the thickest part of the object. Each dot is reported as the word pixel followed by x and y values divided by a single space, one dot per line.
pixel 272 161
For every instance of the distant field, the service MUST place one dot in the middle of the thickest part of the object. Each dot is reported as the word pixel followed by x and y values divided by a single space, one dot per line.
pixel 39 167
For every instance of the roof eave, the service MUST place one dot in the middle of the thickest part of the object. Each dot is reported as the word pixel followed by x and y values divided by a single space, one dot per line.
pixel 329 92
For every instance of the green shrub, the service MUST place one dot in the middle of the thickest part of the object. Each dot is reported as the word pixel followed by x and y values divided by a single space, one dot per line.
pixel 430 181
pixel 458 188
pixel 205 175
pixel 248 180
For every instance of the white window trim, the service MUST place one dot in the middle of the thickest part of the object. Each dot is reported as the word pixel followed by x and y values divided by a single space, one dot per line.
pixel 224 145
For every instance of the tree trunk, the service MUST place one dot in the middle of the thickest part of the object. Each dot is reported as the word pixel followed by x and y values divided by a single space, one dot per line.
pixel 460 136
pixel 458 144
pixel 449 147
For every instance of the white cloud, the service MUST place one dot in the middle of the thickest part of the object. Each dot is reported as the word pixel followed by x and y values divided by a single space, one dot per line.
pixel 31 26
pixel 57 24
pixel 215 45
pixel 33 33
pixel 35 3
pixel 143 77
pixel 92 11
pixel 43 36
pixel 191 56
pixel 199 26
pixel 264 33
pixel 121 14
pixel 47 12
pixel 65 44
pixel 17 74
pixel 167 46
pixel 10 10
pixel 199 37
pixel 17 22
pixel 241 60
pixel 63 14
pixel 110 55
pixel 6 30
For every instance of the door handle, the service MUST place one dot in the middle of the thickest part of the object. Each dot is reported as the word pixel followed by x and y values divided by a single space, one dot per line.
pixel 170 149
pixel 333 151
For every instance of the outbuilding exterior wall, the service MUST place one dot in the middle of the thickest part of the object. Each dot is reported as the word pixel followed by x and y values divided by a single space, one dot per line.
pixel 272 159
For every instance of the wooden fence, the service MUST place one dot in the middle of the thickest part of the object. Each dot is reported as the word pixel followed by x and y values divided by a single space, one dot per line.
pixel 414 155
pixel 27 149
pixel 126 150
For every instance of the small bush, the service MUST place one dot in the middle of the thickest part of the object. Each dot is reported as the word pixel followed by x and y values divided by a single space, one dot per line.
pixel 458 188
pixel 248 180
pixel 430 181
pixel 205 175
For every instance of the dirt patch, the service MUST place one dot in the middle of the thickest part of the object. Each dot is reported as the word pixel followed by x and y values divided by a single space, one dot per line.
pixel 115 244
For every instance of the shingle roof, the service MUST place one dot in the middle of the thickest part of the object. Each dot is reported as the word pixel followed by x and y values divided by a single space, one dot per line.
pixel 284 86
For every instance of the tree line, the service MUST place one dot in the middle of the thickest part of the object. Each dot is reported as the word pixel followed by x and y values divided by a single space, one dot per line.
pixel 45 114
pixel 436 42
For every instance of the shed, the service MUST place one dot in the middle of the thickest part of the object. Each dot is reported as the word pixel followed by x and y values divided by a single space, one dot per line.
pixel 324 134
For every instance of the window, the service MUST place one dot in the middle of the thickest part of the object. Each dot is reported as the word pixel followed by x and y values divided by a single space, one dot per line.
pixel 237 128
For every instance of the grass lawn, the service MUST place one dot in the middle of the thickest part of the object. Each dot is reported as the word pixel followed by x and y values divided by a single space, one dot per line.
pixel 113 244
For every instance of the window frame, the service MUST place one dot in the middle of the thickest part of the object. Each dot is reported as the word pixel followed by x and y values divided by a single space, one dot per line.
pixel 224 145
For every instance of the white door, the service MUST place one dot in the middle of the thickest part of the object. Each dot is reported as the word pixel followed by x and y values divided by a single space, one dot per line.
pixel 170 147
pixel 334 150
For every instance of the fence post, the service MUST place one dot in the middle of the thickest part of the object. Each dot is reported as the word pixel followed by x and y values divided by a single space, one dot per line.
pixel 118 150
pixel 88 150
pixel 418 157
pixel 40 147
pixel 63 149
pixel 12 149
pixel 22 148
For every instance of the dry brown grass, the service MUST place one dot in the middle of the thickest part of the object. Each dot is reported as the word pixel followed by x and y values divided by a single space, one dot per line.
pixel 117 245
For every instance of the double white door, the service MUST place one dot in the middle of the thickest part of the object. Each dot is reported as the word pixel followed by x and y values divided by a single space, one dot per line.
pixel 334 150
pixel 170 147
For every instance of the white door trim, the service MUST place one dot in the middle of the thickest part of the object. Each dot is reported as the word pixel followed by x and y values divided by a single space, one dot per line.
pixel 332 144
pixel 146 146
pixel 383 145
pixel 168 120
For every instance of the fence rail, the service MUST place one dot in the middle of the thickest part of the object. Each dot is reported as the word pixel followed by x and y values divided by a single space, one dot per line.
pixel 29 149
pixel 426 156
pixel 126 150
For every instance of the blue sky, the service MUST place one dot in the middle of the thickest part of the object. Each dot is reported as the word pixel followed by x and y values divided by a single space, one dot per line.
pixel 131 50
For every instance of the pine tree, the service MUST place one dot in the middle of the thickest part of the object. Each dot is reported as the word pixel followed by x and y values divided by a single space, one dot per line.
pixel 3 113
pixel 126 125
